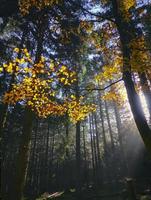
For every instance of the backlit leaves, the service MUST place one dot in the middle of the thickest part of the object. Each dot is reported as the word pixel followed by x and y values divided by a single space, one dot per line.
pixel 125 6
pixel 77 110
pixel 37 87
pixel 116 94
pixel 140 59
pixel 26 5
pixel 110 72
pixel 66 76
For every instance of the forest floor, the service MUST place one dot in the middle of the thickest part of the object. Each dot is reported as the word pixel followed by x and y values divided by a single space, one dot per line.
pixel 92 195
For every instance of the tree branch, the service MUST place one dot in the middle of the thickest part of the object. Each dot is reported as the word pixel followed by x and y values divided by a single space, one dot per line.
pixel 100 16
pixel 101 89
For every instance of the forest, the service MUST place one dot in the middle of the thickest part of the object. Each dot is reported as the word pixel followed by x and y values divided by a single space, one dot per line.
pixel 75 99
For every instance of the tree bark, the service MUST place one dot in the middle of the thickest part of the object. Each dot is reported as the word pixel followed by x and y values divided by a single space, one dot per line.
pixel 126 30
pixel 95 151
pixel 66 164
pixel 22 160
pixel 98 150
pixel 109 126
pixel 33 158
pixel 102 124
pixel 85 157
pixel 146 91
pixel 120 138
pixel 92 151
pixel 78 157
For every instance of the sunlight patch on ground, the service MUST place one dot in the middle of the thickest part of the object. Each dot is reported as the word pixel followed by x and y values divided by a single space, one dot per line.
pixel 50 196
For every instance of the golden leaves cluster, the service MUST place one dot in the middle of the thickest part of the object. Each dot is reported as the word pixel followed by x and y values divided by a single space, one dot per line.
pixel 116 94
pixel 66 76
pixel 37 94
pixel 77 110
pixel 140 58
pixel 125 6
pixel 14 65
pixel 111 71
pixel 35 87
pixel 26 5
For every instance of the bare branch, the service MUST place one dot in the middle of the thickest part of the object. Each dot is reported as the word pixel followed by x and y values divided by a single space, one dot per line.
pixel 100 15
pixel 101 89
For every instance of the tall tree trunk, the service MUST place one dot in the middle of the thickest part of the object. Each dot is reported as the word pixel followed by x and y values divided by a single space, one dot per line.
pixel 34 179
pixel 95 151
pixel 46 157
pixel 92 151
pixel 32 164
pixel 85 158
pixel 67 137
pixel 52 145
pixel 146 91
pixel 126 28
pixel 102 125
pixel 22 159
pixel 42 185
pixel 119 131
pixel 102 116
pixel 98 150
pixel 66 164
pixel 78 157
pixel 37 178
pixel 78 142
pixel 137 111
pixel 112 156
pixel 109 126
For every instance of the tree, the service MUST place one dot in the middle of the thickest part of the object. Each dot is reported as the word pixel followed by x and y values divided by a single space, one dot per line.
pixel 125 25
pixel 121 15
pixel 35 88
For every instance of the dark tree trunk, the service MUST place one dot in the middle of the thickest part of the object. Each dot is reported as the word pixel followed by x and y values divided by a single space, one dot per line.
pixel 126 30
pixel 137 111
pixel 95 151
pixel 3 116
pixel 66 164
pixel 109 126
pixel 52 145
pixel 22 159
pixel 67 138
pixel 105 176
pixel 32 164
pixel 111 156
pixel 47 158
pixel 92 151
pixel 78 157
pixel 102 125
pixel 120 138
pixel 98 150
pixel 85 158
pixel 146 91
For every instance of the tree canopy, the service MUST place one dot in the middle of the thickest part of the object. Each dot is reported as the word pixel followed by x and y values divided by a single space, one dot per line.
pixel 71 64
